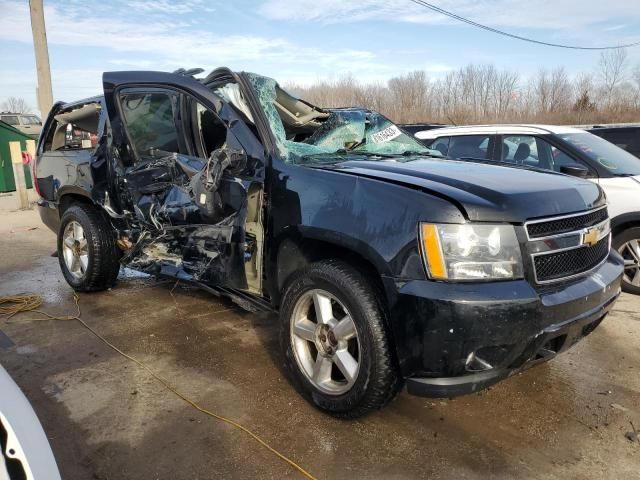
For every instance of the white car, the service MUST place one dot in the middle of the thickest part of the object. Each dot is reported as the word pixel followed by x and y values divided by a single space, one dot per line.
pixel 565 150
pixel 25 453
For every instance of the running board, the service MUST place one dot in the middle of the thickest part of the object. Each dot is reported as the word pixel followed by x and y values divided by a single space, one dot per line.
pixel 243 300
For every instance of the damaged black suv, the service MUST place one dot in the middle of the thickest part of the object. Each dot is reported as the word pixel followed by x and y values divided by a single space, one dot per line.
pixel 387 264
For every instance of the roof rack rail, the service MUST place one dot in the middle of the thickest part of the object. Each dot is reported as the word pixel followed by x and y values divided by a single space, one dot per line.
pixel 191 72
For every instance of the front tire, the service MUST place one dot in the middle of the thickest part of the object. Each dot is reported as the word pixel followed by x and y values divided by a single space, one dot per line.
pixel 334 340
pixel 87 251
pixel 627 244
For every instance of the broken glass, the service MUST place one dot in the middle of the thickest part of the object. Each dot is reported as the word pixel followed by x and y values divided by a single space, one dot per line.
pixel 341 131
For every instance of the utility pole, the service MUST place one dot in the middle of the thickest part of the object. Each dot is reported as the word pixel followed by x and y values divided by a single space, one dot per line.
pixel 44 93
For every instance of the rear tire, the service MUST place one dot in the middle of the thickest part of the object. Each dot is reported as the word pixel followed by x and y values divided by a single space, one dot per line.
pixel 87 251
pixel 627 244
pixel 339 359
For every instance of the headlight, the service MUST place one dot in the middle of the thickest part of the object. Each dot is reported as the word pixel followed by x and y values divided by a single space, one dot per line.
pixel 471 252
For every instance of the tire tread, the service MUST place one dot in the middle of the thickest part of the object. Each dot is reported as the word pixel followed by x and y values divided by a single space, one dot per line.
pixel 384 382
pixel 105 258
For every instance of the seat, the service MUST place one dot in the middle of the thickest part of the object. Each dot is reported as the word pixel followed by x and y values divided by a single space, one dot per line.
pixel 522 153
pixel 466 147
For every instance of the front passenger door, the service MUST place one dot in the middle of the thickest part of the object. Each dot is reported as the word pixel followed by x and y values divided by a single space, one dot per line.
pixel 535 151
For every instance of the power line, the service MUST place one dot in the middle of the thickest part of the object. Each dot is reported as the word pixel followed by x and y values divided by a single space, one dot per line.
pixel 518 37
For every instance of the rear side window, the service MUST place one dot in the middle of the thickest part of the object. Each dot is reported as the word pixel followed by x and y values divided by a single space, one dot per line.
pixel 150 120
pixel 10 119
pixel 470 146
pixel 31 120
pixel 74 129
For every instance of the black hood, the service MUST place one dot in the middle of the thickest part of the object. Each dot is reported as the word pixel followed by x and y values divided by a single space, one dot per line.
pixel 486 193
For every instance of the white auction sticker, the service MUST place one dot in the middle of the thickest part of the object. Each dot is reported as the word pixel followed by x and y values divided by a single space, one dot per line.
pixel 386 135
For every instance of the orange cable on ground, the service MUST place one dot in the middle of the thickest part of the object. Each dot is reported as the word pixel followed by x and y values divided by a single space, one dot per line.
pixel 15 304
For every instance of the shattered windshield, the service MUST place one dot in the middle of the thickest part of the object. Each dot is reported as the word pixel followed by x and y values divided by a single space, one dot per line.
pixel 306 133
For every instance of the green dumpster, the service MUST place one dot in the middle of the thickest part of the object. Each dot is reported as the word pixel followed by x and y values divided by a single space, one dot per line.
pixel 10 134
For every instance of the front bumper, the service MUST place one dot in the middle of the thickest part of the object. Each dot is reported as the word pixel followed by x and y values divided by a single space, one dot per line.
pixel 452 339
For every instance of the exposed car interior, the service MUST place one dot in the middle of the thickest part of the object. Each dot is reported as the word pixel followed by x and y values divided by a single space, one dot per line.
pixel 76 128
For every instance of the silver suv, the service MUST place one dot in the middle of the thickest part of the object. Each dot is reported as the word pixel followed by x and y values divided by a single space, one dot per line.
pixel 27 123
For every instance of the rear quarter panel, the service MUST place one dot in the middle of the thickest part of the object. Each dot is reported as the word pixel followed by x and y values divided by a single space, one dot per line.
pixel 65 171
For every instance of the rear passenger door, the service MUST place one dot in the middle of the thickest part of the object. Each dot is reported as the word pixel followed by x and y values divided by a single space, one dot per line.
pixel 191 175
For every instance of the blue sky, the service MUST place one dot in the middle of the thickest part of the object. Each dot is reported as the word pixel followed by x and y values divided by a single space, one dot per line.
pixel 301 40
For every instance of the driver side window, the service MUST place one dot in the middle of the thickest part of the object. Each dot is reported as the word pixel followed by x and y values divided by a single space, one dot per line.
pixel 212 132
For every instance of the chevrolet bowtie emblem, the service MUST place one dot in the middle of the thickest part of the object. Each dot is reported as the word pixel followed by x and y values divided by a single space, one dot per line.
pixel 590 237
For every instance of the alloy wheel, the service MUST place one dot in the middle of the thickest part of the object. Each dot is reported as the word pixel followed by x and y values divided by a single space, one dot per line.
pixel 75 249
pixel 630 251
pixel 325 342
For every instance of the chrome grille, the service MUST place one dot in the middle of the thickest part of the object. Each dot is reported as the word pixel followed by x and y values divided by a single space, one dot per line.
pixel 564 224
pixel 567 246
pixel 556 266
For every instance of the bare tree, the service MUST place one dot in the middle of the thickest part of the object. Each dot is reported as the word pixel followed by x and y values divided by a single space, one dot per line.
pixel 410 95
pixel 15 105
pixel 611 72
pixel 540 91
pixel 482 94
pixel 504 93
pixel 452 106
pixel 559 90
pixel 635 81
pixel 584 91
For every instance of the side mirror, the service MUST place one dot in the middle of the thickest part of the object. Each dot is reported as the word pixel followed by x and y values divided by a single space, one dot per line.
pixel 223 160
pixel 206 182
pixel 235 160
pixel 575 170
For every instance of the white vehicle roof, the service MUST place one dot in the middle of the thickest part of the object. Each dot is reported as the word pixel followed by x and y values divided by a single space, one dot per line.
pixel 496 129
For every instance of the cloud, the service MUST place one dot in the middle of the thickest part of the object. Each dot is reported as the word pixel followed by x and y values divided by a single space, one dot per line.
pixel 169 42
pixel 165 6
pixel 533 14
pixel 615 27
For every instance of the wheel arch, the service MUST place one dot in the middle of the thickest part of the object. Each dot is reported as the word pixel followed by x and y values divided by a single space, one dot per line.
pixel 299 248
pixel 69 197
pixel 624 222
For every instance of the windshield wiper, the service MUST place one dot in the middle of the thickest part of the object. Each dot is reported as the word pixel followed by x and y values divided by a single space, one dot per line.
pixel 351 153
pixel 412 153
pixel 484 160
